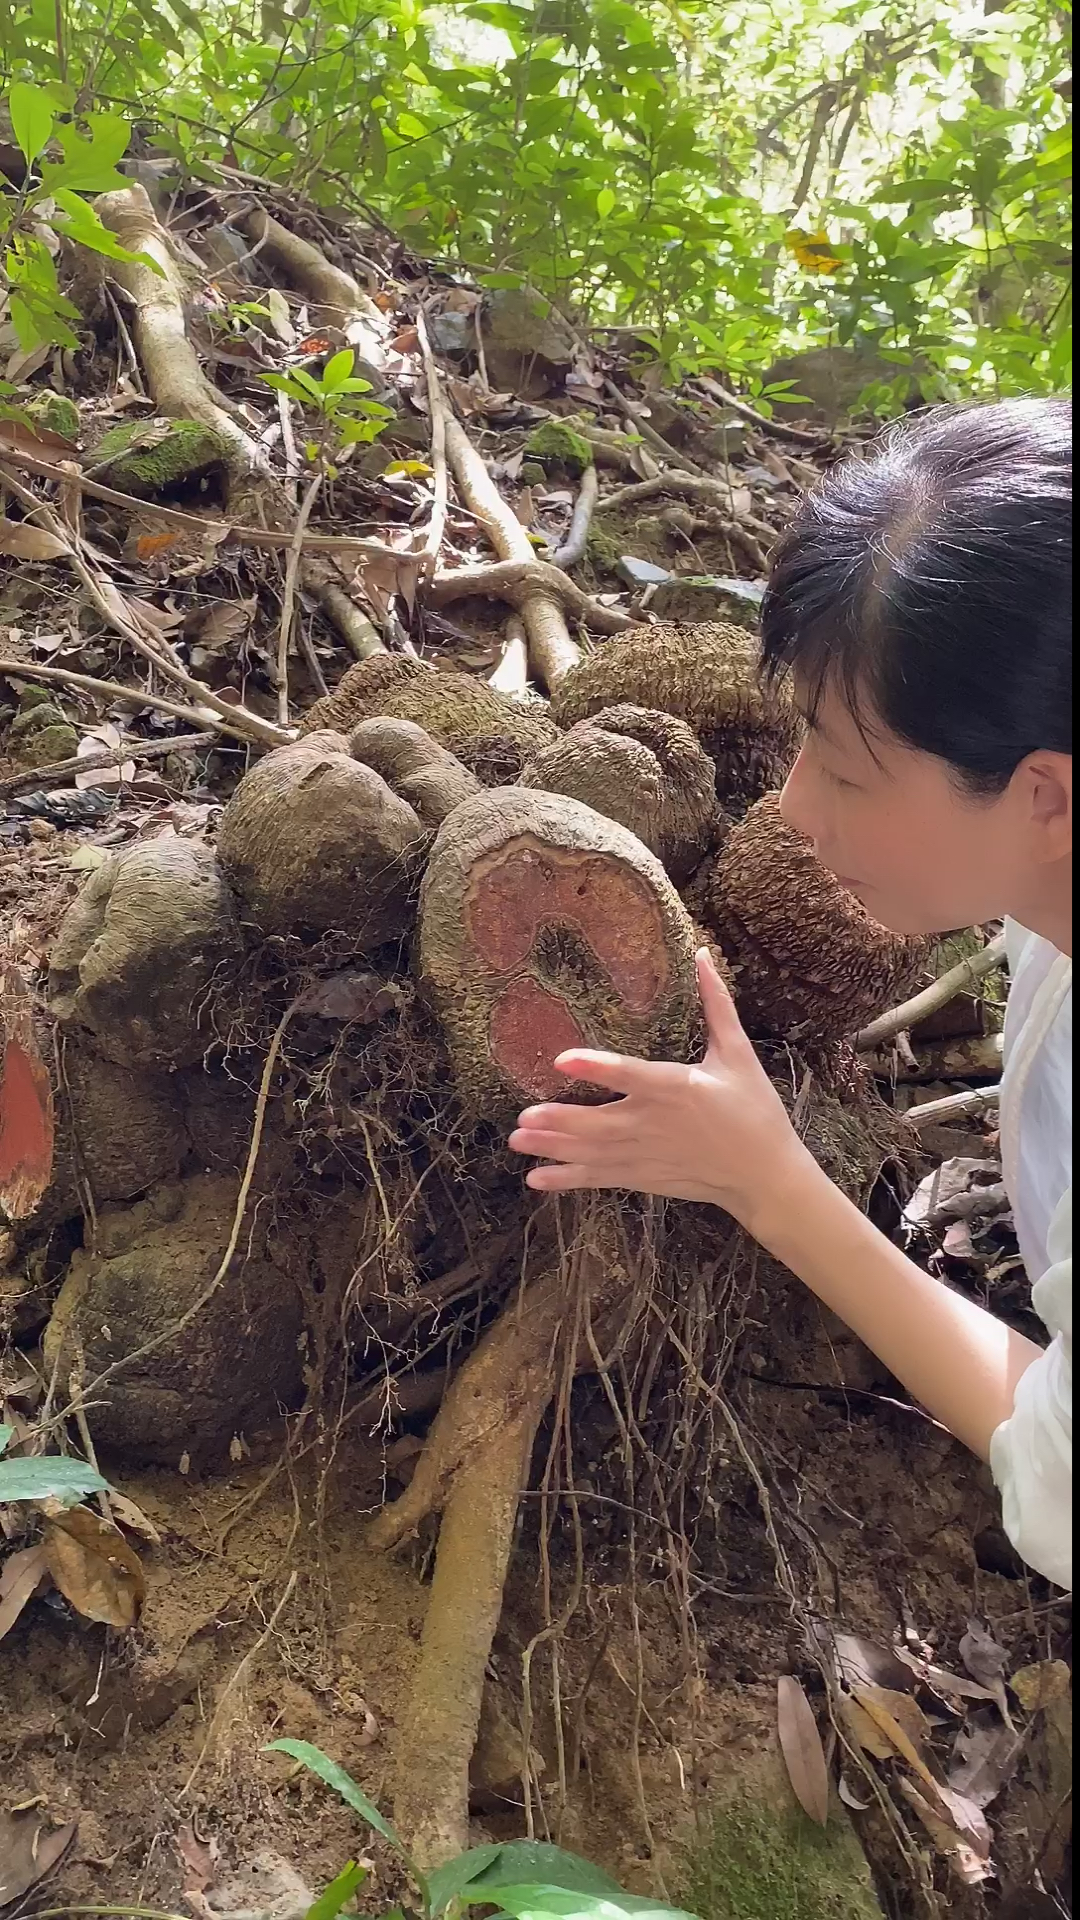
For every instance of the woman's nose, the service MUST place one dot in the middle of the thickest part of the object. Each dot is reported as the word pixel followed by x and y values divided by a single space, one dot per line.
pixel 797 808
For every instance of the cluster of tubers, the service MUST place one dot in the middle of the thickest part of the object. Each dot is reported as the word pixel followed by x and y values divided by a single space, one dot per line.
pixel 434 890
pixel 532 914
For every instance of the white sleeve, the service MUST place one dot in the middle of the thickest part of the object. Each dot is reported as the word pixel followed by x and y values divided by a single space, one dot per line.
pixel 1031 1452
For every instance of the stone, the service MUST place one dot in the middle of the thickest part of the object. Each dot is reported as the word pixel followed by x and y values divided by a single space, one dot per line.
pixel 452 332
pixel 142 457
pixel 832 379
pixel 724 442
pixel 640 573
pixel 695 597
pixel 46 745
pixel 34 715
pixel 528 345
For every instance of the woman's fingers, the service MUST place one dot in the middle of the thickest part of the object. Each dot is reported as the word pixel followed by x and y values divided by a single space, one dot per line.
pixel 563 1179
pixel 546 1146
pixel 615 1071
pixel 719 1008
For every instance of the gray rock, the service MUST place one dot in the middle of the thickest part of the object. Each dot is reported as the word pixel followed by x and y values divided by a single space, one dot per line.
pixel 691 598
pixel 724 442
pixel 832 379
pixel 527 344
pixel 452 332
pixel 640 573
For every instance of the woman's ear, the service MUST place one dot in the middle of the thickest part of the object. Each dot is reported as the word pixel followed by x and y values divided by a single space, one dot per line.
pixel 1047 793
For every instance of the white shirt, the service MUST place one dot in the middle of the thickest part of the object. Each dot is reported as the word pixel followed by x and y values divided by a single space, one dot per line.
pixel 1031 1452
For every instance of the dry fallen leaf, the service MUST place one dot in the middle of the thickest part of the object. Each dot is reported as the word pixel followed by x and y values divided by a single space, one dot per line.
pixel 30 1850
pixel 27 542
pixel 20 1577
pixel 967 1860
pixel 988 1758
pixel 133 1517
pixel 105 736
pixel 198 1859
pixel 863 1663
pixel 1041 1685
pixel 93 1566
pixel 800 1743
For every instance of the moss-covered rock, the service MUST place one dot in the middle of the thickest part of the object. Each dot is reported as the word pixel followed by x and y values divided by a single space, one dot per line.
pixel 760 1860
pixel 144 457
pixel 35 715
pixel 45 745
pixel 560 449
pixel 55 412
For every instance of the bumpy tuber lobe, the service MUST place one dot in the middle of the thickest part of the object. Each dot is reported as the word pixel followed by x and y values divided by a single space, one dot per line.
pixel 313 842
pixel 809 961
pixel 484 728
pixel 643 768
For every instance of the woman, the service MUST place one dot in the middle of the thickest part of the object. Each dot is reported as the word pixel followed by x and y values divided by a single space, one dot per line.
pixel 920 604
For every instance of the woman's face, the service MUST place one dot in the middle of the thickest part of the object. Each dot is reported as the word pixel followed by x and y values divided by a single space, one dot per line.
pixel 921 853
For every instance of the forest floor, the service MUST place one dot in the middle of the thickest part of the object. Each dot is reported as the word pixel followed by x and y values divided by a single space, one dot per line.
pixel 267 1614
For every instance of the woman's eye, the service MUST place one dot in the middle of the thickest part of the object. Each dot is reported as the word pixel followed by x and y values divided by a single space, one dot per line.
pixel 845 786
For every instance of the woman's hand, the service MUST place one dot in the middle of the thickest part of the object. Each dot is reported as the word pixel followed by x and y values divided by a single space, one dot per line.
pixel 717 1132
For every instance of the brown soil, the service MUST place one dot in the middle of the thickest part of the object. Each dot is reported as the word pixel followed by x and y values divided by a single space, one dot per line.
pixel 140 1735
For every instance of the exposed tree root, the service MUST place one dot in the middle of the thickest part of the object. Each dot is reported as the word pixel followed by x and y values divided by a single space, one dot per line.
pixel 512 673
pixel 572 551
pixel 648 432
pixel 541 604
pixel 169 361
pixel 358 632
pixel 474 1469
pixel 334 293
pixel 525 582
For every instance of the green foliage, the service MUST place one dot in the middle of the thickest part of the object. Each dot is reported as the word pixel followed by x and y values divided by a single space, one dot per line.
pixel 525 1879
pixel 736 179
pixel 47 1477
pixel 50 199
pixel 346 418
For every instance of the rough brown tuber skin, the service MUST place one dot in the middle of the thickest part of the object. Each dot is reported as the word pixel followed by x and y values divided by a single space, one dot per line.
pixel 236 1363
pixel 706 675
pixel 545 926
pixel 643 768
pixel 456 709
pixel 145 951
pixel 428 776
pixel 313 842
pixel 810 964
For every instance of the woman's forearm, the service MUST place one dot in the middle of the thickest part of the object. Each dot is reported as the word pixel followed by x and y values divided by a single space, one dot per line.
pixel 956 1359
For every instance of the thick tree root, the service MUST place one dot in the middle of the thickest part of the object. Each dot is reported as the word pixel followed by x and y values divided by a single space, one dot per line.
pixel 529 583
pixel 335 294
pixel 474 1469
pixel 540 603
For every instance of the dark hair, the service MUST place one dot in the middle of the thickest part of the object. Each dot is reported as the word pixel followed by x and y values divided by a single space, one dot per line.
pixel 931 583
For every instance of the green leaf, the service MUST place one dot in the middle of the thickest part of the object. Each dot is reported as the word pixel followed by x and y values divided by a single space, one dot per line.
pixel 6 1433
pixel 343 1783
pixel 338 370
pixel 32 118
pixel 544 1902
pixel 89 166
pixel 447 1882
pixel 606 202
pixel 82 224
pixel 329 1904
pixel 48 1478
pixel 522 1862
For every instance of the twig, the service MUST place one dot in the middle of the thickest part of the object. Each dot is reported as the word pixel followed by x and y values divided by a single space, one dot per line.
pixel 648 432
pixel 359 633
pixel 122 617
pixel 288 597
pixel 800 435
pixel 519 580
pixel 234 1680
pixel 699 486
pixel 132 696
pixel 437 410
pixel 959 979
pixel 955 1107
pixel 288 441
pixel 512 673
pixel 109 757
pixel 538 598
pixel 573 547
pixel 270 539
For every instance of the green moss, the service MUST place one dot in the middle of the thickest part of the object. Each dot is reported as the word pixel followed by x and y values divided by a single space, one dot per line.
pixel 602 549
pixel 33 715
pixel 42 748
pixel 146 456
pixel 557 445
pixel 56 412
pixel 756 1862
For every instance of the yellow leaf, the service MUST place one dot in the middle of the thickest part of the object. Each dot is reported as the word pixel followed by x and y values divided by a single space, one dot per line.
pixel 813 251
pixel 1041 1685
